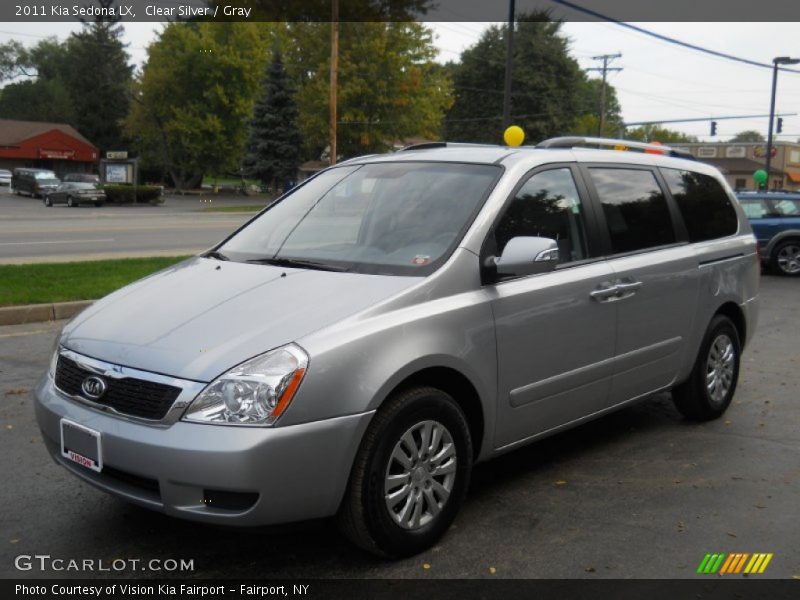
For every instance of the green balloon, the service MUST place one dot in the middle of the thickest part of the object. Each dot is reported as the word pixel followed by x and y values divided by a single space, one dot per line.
pixel 760 177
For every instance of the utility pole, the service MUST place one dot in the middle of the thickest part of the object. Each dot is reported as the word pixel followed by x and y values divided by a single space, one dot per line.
pixel 509 65
pixel 606 58
pixel 334 76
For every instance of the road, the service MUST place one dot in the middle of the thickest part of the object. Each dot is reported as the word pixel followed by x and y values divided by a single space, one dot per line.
pixel 641 493
pixel 30 232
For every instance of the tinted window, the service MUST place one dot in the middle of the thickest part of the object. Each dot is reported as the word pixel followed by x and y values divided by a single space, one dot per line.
pixel 755 208
pixel 548 205
pixel 635 209
pixel 705 207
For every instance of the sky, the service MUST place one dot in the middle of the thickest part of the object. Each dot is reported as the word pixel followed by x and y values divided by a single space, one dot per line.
pixel 658 81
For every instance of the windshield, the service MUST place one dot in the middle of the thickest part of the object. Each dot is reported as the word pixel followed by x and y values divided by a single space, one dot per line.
pixel 399 218
pixel 44 175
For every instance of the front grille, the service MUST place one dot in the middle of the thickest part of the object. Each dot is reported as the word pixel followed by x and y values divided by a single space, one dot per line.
pixel 129 396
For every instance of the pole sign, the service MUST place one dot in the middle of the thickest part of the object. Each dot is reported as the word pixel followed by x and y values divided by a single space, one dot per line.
pixel 117 154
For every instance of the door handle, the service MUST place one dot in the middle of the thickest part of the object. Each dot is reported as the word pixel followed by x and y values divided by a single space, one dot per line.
pixel 606 293
pixel 626 289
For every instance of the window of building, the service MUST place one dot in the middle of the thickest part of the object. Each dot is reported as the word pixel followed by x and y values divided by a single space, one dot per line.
pixel 547 205
pixel 740 183
pixel 704 205
pixel 635 209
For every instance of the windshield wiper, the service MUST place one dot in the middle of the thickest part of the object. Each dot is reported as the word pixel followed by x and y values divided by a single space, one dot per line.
pixel 216 254
pixel 298 262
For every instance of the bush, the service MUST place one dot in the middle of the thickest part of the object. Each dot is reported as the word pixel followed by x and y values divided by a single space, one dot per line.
pixel 127 194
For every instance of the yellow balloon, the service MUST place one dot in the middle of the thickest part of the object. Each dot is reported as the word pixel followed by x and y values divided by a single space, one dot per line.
pixel 514 136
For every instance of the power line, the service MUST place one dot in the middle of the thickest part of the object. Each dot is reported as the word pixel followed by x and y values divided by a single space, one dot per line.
pixel 668 39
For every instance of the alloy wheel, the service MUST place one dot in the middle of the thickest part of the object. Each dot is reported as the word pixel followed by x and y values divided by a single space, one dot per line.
pixel 789 259
pixel 719 368
pixel 420 475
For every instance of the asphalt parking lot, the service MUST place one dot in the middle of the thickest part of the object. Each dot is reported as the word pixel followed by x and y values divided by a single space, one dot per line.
pixel 638 494
pixel 31 232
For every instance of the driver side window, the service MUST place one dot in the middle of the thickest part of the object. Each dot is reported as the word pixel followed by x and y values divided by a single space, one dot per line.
pixel 547 205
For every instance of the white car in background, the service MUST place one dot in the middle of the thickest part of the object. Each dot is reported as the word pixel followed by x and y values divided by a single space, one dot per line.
pixel 5 177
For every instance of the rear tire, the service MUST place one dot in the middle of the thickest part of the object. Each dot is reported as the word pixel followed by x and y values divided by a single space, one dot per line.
pixel 785 258
pixel 48 201
pixel 70 202
pixel 410 474
pixel 708 391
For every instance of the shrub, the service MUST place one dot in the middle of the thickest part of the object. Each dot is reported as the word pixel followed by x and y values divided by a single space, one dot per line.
pixel 128 194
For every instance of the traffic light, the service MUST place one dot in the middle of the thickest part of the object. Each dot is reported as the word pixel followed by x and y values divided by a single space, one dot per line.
pixel 713 128
pixel 779 128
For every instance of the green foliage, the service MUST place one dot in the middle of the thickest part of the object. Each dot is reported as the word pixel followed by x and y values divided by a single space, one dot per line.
pixel 389 87
pixel 273 148
pixel 748 136
pixel 195 96
pixel 549 90
pixel 588 123
pixel 84 81
pixel 128 194
pixel 650 133
pixel 37 100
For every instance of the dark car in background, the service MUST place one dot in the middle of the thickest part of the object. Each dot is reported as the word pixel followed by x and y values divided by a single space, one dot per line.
pixel 775 218
pixel 76 193
pixel 81 178
pixel 34 182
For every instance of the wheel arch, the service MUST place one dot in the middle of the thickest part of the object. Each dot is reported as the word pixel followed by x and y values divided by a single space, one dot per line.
pixel 453 382
pixel 734 312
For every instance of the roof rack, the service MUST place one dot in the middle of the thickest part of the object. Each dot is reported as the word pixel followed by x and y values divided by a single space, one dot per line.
pixel 573 141
pixel 430 145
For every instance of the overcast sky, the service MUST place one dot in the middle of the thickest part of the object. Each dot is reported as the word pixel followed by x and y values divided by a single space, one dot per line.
pixel 658 81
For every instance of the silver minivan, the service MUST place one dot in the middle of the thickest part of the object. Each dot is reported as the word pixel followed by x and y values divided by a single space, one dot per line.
pixel 358 345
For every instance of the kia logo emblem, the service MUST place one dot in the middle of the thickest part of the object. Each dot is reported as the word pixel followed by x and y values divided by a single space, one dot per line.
pixel 93 387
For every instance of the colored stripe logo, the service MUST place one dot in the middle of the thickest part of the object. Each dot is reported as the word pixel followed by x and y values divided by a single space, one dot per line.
pixel 733 563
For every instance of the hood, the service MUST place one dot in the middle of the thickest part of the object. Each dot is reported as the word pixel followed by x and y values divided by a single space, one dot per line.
pixel 199 318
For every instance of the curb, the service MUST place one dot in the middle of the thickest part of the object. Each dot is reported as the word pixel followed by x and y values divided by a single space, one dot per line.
pixel 35 313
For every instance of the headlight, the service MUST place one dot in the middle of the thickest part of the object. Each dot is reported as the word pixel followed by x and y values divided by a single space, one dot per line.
pixel 254 393
pixel 51 370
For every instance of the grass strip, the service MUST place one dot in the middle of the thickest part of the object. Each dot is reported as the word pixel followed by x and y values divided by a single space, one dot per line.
pixel 63 282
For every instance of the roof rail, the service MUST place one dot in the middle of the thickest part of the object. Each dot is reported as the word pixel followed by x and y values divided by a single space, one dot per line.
pixel 573 141
pixel 430 145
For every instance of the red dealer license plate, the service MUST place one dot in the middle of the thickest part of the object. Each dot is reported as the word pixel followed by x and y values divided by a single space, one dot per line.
pixel 81 445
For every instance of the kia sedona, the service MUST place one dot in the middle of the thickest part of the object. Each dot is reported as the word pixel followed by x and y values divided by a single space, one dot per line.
pixel 356 347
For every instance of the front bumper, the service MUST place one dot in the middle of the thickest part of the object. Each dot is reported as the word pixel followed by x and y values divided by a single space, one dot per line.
pixel 226 475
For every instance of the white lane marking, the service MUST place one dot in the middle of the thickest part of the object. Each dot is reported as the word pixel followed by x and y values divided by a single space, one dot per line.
pixel 24 333
pixel 54 242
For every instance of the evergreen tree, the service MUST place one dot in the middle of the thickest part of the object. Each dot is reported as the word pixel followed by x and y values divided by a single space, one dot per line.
pixel 273 148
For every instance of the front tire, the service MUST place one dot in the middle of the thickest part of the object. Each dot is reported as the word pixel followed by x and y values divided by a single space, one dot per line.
pixel 70 202
pixel 48 201
pixel 786 258
pixel 708 391
pixel 410 474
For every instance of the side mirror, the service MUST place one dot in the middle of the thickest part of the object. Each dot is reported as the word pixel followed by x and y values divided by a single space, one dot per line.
pixel 527 256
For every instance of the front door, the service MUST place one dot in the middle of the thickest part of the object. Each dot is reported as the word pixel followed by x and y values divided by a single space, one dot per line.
pixel 555 341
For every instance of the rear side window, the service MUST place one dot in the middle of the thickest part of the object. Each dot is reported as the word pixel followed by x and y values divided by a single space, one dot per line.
pixel 755 208
pixel 635 208
pixel 704 205
pixel 787 208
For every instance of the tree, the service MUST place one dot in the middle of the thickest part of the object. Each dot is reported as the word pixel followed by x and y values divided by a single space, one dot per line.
pixel 99 79
pixel 273 149
pixel 390 88
pixel 549 88
pixel 84 81
pixel 650 133
pixel 195 97
pixel 749 135
pixel 588 122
